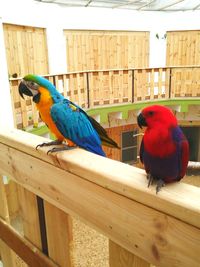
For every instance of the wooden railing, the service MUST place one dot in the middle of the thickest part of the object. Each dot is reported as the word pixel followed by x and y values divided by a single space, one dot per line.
pixel 110 196
pixel 92 89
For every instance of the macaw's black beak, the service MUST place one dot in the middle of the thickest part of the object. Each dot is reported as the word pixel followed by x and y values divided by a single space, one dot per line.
pixel 141 120
pixel 23 90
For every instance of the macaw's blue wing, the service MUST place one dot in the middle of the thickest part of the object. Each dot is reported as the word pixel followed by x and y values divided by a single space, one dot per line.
pixel 74 125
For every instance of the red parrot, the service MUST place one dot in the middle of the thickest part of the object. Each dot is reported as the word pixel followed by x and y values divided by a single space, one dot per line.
pixel 164 150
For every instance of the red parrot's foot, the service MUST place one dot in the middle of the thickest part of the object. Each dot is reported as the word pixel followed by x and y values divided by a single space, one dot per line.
pixel 62 148
pixel 159 182
pixel 150 178
pixel 55 142
pixel 159 185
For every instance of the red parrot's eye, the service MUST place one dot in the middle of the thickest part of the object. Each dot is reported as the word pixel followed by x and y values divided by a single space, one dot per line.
pixel 150 113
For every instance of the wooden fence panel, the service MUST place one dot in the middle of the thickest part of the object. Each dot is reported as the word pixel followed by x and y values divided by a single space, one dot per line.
pixel 97 50
pixel 185 82
pixel 183 48
pixel 26 50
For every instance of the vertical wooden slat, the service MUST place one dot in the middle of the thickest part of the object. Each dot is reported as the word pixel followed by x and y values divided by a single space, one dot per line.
pixel 102 95
pixel 120 257
pixel 59 235
pixel 130 80
pixel 135 85
pixel 65 85
pixel 7 255
pixel 152 84
pixel 143 84
pixel 29 214
pixel 111 90
pixel 160 83
pixel 121 86
pixel 91 90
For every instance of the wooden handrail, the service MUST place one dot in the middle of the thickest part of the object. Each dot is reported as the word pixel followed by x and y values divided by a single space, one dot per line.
pixel 115 69
pixel 113 197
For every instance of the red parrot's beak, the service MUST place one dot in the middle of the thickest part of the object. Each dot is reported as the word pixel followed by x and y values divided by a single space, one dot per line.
pixel 141 120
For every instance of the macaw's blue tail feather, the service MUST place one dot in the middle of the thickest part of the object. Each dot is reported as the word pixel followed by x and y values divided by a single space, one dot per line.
pixel 95 149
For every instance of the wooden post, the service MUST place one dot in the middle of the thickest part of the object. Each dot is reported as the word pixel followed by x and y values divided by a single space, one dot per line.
pixel 29 213
pixel 7 255
pixel 59 235
pixel 120 257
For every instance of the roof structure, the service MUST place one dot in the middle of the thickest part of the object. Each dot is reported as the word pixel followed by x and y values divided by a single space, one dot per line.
pixel 139 5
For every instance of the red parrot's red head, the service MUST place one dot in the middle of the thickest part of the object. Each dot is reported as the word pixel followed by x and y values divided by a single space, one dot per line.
pixel 156 115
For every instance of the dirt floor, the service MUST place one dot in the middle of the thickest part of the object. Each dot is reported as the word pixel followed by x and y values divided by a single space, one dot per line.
pixel 90 248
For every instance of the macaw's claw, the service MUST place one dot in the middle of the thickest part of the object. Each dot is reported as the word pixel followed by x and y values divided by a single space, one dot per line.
pixel 150 178
pixel 58 149
pixel 52 143
pixel 159 185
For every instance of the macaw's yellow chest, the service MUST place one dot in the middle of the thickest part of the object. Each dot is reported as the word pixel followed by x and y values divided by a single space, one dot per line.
pixel 44 107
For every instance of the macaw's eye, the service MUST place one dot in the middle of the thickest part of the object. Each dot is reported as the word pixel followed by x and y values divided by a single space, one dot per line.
pixel 32 85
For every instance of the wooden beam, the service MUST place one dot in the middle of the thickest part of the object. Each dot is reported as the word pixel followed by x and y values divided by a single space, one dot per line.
pixel 87 190
pixel 29 253
pixel 120 178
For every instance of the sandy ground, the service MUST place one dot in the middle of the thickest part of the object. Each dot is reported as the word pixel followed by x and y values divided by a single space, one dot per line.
pixel 90 248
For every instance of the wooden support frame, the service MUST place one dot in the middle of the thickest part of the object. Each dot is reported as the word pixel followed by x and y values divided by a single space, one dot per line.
pixel 162 229
pixel 28 252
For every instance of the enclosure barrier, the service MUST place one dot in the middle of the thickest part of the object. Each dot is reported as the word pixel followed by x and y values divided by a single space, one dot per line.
pixel 91 89
pixel 110 196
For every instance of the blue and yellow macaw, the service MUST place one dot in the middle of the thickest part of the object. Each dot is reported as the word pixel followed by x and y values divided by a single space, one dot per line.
pixel 66 120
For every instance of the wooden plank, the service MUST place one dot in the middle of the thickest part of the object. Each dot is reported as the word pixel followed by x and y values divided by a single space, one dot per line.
pixel 136 87
pixel 122 93
pixel 111 89
pixel 29 214
pixel 59 235
pixel 12 199
pixel 7 255
pixel 91 89
pixel 102 96
pixel 152 77
pixel 130 86
pixel 164 243
pixel 160 72
pixel 29 253
pixel 120 257
pixel 183 208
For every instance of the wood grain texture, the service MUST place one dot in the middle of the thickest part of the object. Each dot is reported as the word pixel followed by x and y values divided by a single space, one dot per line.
pixel 26 50
pixel 7 255
pixel 120 257
pixel 94 50
pixel 29 253
pixel 183 48
pixel 29 214
pixel 59 234
pixel 162 229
